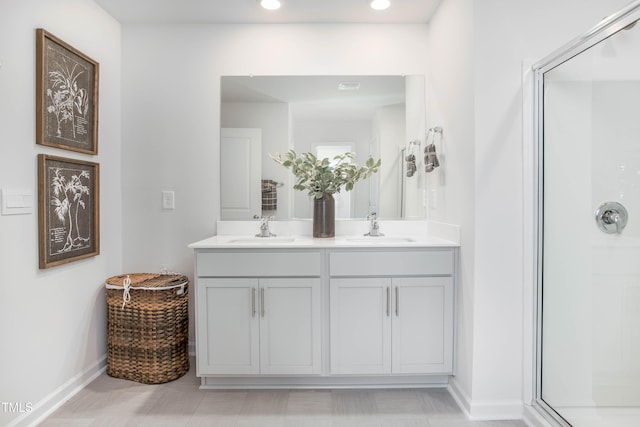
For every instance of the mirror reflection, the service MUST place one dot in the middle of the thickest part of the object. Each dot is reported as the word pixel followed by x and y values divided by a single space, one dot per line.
pixel 326 115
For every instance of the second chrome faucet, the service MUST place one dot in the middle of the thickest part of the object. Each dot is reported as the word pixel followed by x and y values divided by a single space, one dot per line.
pixel 264 226
pixel 374 227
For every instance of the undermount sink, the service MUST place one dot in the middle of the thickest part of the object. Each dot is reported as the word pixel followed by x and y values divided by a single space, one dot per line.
pixel 263 240
pixel 380 239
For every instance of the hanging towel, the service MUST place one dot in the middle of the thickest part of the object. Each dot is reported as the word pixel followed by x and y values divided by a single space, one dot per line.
pixel 411 165
pixel 430 158
pixel 269 195
pixel 410 158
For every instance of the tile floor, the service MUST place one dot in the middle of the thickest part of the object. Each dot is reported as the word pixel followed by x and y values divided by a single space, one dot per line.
pixel 114 402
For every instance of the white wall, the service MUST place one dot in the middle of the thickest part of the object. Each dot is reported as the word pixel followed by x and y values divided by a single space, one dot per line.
pixel 451 187
pixel 52 322
pixel 502 34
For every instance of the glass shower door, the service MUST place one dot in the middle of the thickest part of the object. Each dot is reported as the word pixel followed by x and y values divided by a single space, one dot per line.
pixel 590 246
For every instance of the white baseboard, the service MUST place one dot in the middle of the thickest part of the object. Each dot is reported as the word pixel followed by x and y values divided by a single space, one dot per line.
pixel 459 396
pixel 59 396
pixel 485 410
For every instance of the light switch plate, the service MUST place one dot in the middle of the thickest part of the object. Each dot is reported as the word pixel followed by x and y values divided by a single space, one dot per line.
pixel 17 202
pixel 168 200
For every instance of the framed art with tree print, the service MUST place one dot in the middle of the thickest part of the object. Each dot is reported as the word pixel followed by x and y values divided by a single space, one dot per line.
pixel 68 210
pixel 66 96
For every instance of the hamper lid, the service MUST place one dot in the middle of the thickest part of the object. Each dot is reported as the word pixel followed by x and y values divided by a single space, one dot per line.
pixel 149 281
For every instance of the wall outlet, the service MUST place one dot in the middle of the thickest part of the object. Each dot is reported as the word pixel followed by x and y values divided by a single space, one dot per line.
pixel 168 200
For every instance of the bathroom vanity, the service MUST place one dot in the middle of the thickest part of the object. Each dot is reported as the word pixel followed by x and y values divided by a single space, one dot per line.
pixel 293 311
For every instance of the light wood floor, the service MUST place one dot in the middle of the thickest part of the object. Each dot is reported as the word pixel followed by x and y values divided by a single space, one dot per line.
pixel 114 402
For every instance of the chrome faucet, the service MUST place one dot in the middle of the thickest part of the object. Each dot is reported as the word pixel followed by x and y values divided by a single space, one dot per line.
pixel 374 227
pixel 264 226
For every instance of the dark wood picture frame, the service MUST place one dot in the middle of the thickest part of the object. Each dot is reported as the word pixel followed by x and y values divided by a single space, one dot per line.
pixel 66 96
pixel 68 210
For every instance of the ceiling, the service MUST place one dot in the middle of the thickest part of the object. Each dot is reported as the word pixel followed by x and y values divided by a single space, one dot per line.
pixel 249 11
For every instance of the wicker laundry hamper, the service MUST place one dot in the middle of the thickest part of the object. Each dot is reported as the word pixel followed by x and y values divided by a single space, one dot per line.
pixel 147 327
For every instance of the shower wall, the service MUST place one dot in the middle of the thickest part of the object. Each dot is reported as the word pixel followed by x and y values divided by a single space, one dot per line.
pixel 616 270
pixel 591 297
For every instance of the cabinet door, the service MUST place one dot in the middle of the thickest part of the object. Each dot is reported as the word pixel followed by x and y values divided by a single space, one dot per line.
pixel 422 325
pixel 360 325
pixel 228 334
pixel 290 326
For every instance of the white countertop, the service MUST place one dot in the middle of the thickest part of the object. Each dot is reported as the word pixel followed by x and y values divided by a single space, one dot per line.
pixel 351 241
pixel 349 234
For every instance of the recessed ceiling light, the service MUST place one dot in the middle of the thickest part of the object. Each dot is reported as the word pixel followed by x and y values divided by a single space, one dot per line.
pixel 271 4
pixel 380 4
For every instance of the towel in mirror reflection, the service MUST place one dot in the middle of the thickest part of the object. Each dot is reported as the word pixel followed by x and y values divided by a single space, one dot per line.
pixel 269 195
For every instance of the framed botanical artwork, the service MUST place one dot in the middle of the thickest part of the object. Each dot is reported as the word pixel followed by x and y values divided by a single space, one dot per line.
pixel 68 210
pixel 66 96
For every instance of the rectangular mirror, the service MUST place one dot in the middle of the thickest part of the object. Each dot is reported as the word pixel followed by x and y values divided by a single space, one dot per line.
pixel 369 115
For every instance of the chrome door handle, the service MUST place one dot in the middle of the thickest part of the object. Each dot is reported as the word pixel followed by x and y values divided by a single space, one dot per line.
pixel 253 302
pixel 611 217
pixel 397 301
pixel 388 300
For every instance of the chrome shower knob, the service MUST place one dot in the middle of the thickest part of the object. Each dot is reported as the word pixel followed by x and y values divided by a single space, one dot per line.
pixel 611 217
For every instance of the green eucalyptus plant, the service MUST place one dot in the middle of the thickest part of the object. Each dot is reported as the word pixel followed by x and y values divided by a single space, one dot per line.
pixel 320 176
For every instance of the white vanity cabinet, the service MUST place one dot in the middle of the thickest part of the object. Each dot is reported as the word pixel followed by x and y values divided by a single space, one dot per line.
pixel 258 312
pixel 392 311
pixel 324 314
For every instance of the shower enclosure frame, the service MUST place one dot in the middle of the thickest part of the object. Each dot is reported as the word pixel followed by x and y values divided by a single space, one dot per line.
pixel 604 29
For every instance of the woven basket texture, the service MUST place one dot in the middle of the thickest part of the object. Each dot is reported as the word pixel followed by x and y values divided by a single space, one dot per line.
pixel 148 339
